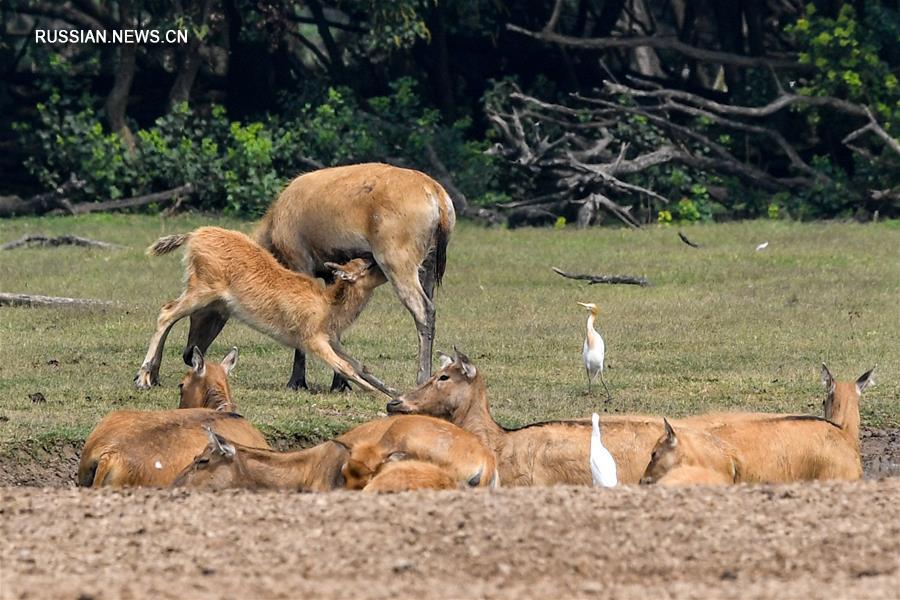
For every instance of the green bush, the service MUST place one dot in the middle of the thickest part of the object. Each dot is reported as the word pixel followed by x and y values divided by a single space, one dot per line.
pixel 240 167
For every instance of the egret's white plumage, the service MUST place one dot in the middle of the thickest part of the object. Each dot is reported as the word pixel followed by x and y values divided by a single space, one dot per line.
pixel 603 466
pixel 594 350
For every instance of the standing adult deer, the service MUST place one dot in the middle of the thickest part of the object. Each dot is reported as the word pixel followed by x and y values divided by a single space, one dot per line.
pixel 401 217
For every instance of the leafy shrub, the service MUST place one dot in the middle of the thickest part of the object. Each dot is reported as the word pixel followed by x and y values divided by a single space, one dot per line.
pixel 240 167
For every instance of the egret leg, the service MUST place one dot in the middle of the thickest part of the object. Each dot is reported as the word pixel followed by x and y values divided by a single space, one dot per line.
pixel 608 396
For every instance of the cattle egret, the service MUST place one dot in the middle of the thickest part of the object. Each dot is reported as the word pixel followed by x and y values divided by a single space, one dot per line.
pixel 594 350
pixel 762 246
pixel 603 466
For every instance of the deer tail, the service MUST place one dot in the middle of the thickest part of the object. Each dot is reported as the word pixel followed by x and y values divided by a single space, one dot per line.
pixel 167 244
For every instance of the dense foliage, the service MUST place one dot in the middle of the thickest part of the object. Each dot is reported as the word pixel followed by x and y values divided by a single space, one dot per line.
pixel 265 90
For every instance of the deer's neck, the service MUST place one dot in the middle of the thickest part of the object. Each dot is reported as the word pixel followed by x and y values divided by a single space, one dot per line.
pixel 845 412
pixel 478 421
pixel 346 302
pixel 301 470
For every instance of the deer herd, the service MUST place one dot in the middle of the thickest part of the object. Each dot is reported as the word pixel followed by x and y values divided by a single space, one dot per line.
pixel 358 227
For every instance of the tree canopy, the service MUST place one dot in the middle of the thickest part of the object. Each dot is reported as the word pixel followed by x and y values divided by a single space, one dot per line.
pixel 634 111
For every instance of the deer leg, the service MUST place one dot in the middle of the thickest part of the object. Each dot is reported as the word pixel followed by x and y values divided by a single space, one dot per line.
pixel 339 383
pixel 321 348
pixel 172 312
pixel 411 293
pixel 425 350
pixel 361 369
pixel 205 327
pixel 298 372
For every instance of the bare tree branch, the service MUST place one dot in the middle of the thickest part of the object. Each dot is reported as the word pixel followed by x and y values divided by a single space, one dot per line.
pixel 611 279
pixel 663 43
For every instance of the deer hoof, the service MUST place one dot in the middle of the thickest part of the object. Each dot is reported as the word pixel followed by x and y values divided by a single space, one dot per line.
pixel 144 380
pixel 296 386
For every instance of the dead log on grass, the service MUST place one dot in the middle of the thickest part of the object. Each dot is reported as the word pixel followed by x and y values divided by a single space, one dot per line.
pixel 61 240
pixel 610 279
pixel 33 300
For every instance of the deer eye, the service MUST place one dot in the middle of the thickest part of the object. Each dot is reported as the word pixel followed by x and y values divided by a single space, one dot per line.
pixel 443 377
pixel 180 386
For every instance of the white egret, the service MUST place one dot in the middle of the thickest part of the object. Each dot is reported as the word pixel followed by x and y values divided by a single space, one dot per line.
pixel 594 350
pixel 603 466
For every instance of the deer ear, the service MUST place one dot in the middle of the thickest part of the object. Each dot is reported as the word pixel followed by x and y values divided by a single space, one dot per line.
pixel 343 445
pixel 197 363
pixel 230 361
pixel 465 364
pixel 220 444
pixel 671 438
pixel 444 360
pixel 827 379
pixel 865 380
pixel 339 272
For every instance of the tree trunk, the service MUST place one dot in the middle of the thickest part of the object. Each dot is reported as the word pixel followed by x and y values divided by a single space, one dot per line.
pixel 190 63
pixel 335 59
pixel 440 75
pixel 117 100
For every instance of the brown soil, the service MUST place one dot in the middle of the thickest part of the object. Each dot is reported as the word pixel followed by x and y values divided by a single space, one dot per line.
pixel 833 540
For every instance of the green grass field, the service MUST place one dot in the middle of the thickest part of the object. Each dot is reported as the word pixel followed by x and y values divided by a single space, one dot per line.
pixel 722 327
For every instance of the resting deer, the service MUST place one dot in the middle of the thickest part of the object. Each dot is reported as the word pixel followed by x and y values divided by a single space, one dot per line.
pixel 225 464
pixel 226 267
pixel 550 453
pixel 205 385
pixel 418 437
pixel 407 475
pixel 777 448
pixel 401 217
pixel 691 457
pixel 150 448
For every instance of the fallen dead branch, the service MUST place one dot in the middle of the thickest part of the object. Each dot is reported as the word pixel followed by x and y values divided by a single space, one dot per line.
pixel 61 240
pixel 610 279
pixel 158 197
pixel 34 300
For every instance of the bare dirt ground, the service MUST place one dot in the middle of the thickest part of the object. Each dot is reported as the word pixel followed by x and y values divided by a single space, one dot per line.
pixel 834 540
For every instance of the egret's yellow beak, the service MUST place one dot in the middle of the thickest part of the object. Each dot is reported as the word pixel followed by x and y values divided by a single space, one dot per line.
pixel 582 304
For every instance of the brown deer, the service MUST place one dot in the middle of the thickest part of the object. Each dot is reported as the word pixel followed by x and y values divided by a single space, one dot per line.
pixel 227 267
pixel 693 449
pixel 205 385
pixel 686 475
pixel 406 475
pixel 402 218
pixel 224 463
pixel 549 453
pixel 150 448
pixel 771 449
pixel 455 450
pixel 841 405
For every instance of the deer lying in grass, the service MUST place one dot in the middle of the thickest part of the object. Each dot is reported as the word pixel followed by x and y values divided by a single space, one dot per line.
pixel 694 456
pixel 226 464
pixel 407 475
pixel 205 385
pixel 454 450
pixel 779 448
pixel 541 454
pixel 150 448
pixel 227 267
pixel 401 217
